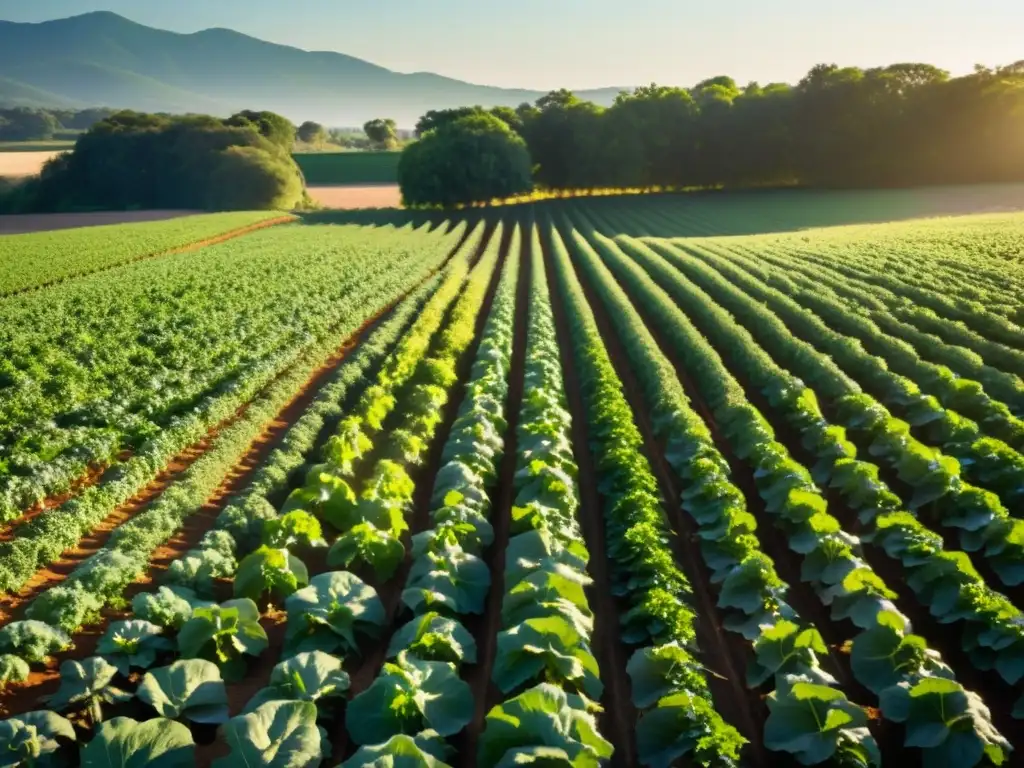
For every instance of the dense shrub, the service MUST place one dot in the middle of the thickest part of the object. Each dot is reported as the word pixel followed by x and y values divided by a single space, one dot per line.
pixel 252 178
pixel 477 157
pixel 134 160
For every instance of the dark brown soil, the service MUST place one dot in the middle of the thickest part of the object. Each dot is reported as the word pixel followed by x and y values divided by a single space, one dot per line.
pixel 365 669
pixel 485 628
pixel 724 654
pixel 619 719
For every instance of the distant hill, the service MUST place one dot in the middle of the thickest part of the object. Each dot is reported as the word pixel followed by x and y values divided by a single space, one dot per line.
pixel 102 59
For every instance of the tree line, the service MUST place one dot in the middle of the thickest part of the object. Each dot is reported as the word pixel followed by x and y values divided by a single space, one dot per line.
pixel 27 124
pixel 901 125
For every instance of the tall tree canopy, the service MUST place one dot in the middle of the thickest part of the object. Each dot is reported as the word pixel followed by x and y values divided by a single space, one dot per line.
pixel 382 133
pixel 905 124
pixel 312 133
pixel 476 157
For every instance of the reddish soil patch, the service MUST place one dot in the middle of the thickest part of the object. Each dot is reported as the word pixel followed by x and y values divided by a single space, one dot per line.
pixel 13 607
pixel 346 198
pixel 10 529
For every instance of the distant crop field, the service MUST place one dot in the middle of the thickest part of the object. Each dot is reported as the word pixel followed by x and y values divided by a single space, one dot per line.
pixel 24 162
pixel 332 168
pixel 35 146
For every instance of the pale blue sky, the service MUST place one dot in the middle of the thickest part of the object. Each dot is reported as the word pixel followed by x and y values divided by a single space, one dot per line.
pixel 589 43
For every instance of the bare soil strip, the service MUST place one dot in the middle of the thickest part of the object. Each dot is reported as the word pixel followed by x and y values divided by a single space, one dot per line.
pixel 485 628
pixel 19 164
pixel 351 198
pixel 618 722
pixel 187 248
pixel 724 654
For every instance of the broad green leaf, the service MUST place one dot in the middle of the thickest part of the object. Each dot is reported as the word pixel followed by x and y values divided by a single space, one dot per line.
pixel 660 671
pixel 433 637
pixel 813 722
pixel 410 696
pixel 33 739
pixel 685 725
pixel 86 686
pixel 366 544
pixel 544 716
pixel 134 643
pixel 186 690
pixel 425 750
pixel 951 724
pixel 545 649
pixel 313 676
pixel 274 572
pixel 125 743
pixel 279 734
pixel 329 613
pixel 224 634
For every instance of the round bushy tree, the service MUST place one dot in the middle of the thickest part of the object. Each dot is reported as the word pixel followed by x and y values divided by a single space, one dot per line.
pixel 473 159
pixel 250 178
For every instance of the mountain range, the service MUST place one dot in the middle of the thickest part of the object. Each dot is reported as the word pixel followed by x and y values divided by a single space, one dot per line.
pixel 103 59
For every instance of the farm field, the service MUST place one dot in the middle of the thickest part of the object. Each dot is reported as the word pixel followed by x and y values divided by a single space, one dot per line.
pixel 631 481
pixel 25 161
pixel 347 198
pixel 348 168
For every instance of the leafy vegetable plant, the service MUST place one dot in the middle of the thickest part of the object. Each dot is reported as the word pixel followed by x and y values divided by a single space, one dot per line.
pixel 224 634
pixel 189 690
pixel 410 696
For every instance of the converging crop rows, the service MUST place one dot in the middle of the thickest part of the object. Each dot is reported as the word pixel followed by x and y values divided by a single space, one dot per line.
pixel 558 484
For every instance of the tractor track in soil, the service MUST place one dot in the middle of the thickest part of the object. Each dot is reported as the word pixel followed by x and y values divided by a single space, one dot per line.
pixel 618 721
pixel 725 656
pixel 21 697
pixel 365 671
pixel 485 628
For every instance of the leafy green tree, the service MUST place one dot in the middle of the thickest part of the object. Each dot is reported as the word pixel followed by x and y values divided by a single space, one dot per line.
pixel 23 124
pixel 250 178
pixel 312 133
pixel 382 133
pixel 200 161
pixel 275 128
pixel 474 158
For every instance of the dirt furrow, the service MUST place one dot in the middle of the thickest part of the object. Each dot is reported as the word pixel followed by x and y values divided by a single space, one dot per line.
pixel 485 628
pixel 618 721
pixel 366 669
pixel 725 655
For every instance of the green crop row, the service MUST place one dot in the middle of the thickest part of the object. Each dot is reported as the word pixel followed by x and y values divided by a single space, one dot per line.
pixel 832 561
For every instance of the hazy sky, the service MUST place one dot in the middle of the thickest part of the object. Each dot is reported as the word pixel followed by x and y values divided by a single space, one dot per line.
pixel 589 43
